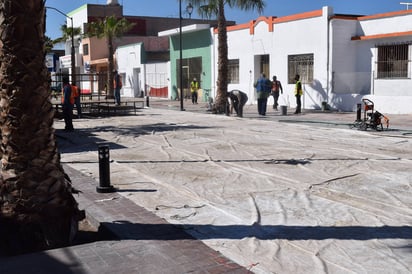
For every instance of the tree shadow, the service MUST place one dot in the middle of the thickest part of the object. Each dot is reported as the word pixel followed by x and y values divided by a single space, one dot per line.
pixel 164 231
pixel 85 139
pixel 136 190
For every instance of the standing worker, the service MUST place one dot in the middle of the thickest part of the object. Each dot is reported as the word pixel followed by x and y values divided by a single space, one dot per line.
pixel 67 103
pixel 263 87
pixel 76 95
pixel 117 84
pixel 276 87
pixel 237 100
pixel 298 94
pixel 194 87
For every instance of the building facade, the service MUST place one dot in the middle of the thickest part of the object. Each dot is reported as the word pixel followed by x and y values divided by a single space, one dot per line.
pixel 340 58
pixel 197 59
pixel 92 53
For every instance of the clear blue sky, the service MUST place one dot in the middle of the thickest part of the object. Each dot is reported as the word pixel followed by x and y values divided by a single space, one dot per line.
pixel 170 8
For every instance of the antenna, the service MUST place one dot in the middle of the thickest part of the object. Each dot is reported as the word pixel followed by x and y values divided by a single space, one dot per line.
pixel 407 4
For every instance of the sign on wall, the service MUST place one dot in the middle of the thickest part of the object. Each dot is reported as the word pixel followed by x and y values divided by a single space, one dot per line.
pixel 65 62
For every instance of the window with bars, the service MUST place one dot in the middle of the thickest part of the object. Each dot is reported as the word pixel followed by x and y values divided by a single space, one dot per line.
pixel 301 64
pixel 393 61
pixel 233 71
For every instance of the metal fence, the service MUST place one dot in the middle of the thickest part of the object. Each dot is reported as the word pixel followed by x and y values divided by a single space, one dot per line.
pixel 89 83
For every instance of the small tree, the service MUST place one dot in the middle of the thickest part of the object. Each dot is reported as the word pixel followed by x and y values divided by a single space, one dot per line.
pixel 209 8
pixel 109 28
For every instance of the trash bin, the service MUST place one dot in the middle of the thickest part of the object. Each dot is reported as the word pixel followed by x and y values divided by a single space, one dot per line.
pixel 284 110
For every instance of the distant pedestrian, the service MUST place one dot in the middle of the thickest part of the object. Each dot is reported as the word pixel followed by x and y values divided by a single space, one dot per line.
pixel 298 94
pixel 263 87
pixel 117 84
pixel 276 87
pixel 76 95
pixel 237 100
pixel 194 87
pixel 67 104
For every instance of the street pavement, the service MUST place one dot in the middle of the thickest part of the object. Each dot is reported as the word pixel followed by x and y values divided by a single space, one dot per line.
pixel 145 241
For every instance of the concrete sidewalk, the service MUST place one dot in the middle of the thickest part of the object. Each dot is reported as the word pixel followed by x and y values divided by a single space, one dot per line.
pixel 147 243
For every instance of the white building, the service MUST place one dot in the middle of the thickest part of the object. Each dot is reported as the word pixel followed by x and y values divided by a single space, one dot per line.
pixel 130 63
pixel 341 58
pixel 139 76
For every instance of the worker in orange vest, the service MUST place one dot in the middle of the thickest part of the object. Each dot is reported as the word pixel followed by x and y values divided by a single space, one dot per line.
pixel 76 96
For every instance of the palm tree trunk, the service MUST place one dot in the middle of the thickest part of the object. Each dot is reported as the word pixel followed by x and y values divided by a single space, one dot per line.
pixel 111 68
pixel 222 81
pixel 37 208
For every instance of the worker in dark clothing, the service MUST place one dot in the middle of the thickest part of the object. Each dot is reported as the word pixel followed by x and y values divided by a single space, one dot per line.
pixel 237 100
pixel 67 103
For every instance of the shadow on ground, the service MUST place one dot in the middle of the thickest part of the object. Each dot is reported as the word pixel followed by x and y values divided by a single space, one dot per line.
pixel 265 232
pixel 85 139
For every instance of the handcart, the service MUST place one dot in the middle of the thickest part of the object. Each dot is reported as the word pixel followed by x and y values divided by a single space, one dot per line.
pixel 371 118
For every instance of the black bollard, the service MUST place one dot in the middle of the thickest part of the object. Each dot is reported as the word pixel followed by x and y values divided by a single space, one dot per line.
pixel 358 112
pixel 147 101
pixel 104 170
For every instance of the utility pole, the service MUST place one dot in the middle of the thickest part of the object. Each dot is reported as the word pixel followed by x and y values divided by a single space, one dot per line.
pixel 73 54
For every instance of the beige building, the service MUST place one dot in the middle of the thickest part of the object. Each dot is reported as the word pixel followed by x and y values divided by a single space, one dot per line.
pixel 92 53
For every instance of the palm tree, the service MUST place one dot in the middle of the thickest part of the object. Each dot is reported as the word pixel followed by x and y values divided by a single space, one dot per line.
pixel 49 44
pixel 209 8
pixel 67 34
pixel 37 207
pixel 109 28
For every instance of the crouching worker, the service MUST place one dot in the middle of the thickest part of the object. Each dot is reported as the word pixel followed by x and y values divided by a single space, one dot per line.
pixel 237 100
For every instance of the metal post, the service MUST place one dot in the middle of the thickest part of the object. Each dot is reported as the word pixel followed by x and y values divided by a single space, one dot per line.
pixel 181 56
pixel 104 170
pixel 73 53
pixel 358 112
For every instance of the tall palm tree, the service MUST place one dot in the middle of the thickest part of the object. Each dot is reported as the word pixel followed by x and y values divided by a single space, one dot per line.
pixel 67 34
pixel 37 207
pixel 110 28
pixel 209 8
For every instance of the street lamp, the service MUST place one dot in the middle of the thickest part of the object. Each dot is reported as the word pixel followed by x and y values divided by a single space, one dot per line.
pixel 189 10
pixel 73 61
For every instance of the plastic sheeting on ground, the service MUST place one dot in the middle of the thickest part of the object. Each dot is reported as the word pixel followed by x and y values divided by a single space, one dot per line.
pixel 274 197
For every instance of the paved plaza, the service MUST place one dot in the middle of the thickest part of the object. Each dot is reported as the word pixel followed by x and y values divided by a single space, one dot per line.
pixel 274 194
